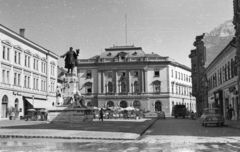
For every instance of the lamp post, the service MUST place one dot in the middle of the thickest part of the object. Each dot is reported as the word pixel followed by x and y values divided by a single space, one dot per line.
pixel 190 94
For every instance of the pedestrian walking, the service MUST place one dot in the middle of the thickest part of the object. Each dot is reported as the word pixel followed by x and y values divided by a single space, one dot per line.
pixel 101 114
pixel 230 112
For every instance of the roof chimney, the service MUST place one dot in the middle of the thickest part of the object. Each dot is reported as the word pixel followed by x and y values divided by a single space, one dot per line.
pixel 22 32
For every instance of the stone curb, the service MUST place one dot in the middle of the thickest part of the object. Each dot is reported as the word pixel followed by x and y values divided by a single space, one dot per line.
pixel 61 137
pixel 146 128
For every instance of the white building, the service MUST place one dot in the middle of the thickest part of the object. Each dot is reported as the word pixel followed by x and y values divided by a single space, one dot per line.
pixel 125 76
pixel 222 81
pixel 28 73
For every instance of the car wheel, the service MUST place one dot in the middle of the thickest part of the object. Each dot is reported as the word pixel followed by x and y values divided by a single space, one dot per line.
pixel 202 124
pixel 222 124
pixel 217 124
pixel 205 125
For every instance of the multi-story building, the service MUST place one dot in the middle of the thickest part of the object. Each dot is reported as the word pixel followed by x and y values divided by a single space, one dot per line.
pixel 198 59
pixel 222 80
pixel 125 76
pixel 236 22
pixel 28 73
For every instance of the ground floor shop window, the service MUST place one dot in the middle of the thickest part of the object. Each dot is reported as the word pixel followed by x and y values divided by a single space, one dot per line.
pixel 4 106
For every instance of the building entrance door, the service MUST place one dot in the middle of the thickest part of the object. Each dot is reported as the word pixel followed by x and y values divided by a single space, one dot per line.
pixel 4 110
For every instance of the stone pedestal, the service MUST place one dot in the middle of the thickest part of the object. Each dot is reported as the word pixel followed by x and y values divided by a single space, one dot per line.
pixel 69 115
pixel 70 85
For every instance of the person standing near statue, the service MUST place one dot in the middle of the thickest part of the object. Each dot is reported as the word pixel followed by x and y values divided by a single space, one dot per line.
pixel 70 59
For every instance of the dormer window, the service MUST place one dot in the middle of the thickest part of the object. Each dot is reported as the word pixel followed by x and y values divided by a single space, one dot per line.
pixel 89 74
pixel 122 57
pixel 109 54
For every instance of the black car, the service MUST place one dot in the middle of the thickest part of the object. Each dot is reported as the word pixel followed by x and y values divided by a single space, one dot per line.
pixel 179 111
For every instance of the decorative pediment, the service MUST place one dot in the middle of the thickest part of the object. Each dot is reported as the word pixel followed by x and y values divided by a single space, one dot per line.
pixel 36 56
pixel 52 62
pixel 17 47
pixel 7 43
pixel 27 52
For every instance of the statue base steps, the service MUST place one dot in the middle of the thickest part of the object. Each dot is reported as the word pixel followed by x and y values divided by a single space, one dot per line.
pixel 64 114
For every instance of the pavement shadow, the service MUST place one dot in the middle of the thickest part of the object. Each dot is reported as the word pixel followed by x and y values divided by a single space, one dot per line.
pixel 102 126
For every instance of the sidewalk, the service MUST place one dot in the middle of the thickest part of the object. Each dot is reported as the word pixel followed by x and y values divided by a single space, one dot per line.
pixel 110 129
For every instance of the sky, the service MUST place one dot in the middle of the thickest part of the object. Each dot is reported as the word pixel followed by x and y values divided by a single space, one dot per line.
pixel 165 27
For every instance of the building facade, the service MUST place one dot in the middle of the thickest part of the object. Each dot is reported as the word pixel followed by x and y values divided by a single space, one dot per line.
pixel 236 22
pixel 28 73
pixel 124 76
pixel 222 81
pixel 198 59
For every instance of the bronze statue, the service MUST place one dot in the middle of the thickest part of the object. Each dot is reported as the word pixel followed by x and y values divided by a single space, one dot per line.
pixel 70 59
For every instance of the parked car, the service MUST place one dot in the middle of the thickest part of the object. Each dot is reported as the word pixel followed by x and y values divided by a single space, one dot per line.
pixel 161 114
pixel 212 116
pixel 180 111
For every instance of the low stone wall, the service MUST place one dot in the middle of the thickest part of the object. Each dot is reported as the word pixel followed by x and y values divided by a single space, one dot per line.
pixel 69 115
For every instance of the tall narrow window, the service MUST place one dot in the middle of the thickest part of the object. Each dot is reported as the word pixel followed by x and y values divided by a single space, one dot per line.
pixel 25 81
pixel 3 76
pixel 19 58
pixel 4 52
pixel 28 82
pixel 29 61
pixel 19 78
pixel 156 73
pixel 15 56
pixel 8 77
pixel 15 78
pixel 8 53
pixel 25 61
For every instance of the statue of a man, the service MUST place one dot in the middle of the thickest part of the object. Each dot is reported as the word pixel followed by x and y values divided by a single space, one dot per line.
pixel 70 59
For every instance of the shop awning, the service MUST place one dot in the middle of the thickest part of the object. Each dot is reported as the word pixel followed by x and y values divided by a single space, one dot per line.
pixel 39 104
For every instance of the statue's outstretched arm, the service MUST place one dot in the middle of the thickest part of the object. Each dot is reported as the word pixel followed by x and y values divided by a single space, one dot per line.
pixel 64 55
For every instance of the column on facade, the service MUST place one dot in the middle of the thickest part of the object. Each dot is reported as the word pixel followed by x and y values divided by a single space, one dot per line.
pixel 99 81
pixel 103 81
pixel 129 81
pixel 146 80
pixel 116 81
pixel 142 79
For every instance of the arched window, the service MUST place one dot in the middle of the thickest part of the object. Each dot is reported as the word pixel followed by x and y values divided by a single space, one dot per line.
pixel 158 106
pixel 4 106
pixel 137 104
pixel 157 86
pixel 110 87
pixel 123 104
pixel 136 87
pixel 110 104
pixel 123 87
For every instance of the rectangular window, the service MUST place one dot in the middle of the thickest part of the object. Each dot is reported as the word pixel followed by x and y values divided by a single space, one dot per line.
pixel 176 74
pixel 15 78
pixel 8 52
pixel 37 84
pixel 29 61
pixel 156 74
pixel 28 82
pixel 25 61
pixel 34 83
pixel 3 76
pixel 19 78
pixel 172 73
pixel 37 65
pixel 19 58
pixel 89 74
pixel 25 81
pixel 15 56
pixel 8 77
pixel 179 75
pixel 4 52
